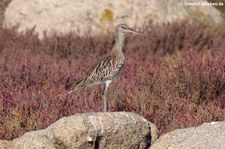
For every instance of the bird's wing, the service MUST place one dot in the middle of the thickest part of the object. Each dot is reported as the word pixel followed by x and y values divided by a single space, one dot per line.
pixel 103 70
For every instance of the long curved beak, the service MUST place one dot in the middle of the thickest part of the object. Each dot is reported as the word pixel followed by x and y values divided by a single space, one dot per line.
pixel 139 33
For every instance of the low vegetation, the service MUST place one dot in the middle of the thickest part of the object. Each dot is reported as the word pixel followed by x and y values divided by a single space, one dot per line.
pixel 176 81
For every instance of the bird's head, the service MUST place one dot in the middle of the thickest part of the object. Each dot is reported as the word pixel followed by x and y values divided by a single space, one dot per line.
pixel 122 28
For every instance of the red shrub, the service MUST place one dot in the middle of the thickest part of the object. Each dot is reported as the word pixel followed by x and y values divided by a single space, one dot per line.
pixel 175 82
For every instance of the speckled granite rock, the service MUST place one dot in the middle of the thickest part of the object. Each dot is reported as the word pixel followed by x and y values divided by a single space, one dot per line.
pixel 206 136
pixel 99 16
pixel 90 130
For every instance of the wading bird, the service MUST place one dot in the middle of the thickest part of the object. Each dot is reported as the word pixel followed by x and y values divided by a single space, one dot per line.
pixel 108 68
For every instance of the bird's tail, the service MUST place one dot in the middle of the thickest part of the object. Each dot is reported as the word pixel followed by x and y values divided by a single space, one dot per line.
pixel 73 86
pixel 70 87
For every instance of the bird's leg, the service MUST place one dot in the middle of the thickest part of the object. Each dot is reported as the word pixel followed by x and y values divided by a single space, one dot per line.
pixel 104 94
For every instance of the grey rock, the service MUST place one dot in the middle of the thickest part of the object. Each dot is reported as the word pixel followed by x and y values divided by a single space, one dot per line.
pixel 90 130
pixel 100 16
pixel 206 136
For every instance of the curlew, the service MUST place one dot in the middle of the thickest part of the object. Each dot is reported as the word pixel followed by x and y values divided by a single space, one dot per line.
pixel 107 69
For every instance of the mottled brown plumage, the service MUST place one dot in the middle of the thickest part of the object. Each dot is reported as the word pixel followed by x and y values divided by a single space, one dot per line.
pixel 107 69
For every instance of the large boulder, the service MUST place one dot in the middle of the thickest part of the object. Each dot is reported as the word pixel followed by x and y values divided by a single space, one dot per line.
pixel 208 135
pixel 90 130
pixel 92 17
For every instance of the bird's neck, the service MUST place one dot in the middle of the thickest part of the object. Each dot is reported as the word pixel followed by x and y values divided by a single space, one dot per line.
pixel 119 44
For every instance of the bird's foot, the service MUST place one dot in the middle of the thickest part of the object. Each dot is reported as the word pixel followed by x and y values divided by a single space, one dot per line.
pixel 106 110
